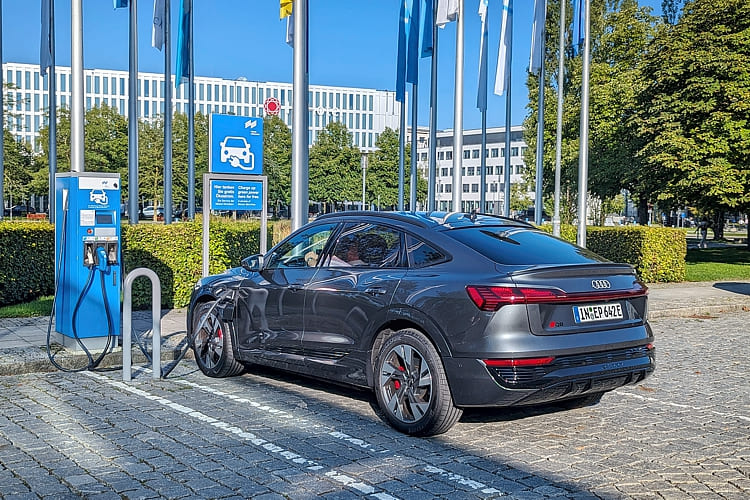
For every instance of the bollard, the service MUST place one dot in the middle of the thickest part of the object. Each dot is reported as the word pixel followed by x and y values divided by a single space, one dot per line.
pixel 128 322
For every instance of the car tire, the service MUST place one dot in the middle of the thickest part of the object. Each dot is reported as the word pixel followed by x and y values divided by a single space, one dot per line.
pixel 411 386
pixel 212 344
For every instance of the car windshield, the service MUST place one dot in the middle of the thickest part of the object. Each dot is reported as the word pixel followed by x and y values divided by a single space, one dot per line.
pixel 235 142
pixel 515 246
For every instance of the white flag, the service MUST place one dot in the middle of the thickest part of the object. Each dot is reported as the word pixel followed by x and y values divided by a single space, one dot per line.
pixel 157 33
pixel 537 32
pixel 503 53
pixel 447 11
pixel 290 30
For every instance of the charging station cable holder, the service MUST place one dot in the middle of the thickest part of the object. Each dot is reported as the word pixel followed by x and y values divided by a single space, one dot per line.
pixel 127 322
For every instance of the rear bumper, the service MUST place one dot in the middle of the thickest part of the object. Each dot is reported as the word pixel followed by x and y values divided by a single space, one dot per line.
pixel 475 384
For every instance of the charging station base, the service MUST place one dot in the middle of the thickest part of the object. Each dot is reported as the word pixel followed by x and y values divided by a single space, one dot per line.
pixel 93 344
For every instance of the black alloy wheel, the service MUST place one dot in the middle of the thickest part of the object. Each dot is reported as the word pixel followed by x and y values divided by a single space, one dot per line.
pixel 212 343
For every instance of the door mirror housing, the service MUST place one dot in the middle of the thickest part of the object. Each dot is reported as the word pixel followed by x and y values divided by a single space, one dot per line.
pixel 254 263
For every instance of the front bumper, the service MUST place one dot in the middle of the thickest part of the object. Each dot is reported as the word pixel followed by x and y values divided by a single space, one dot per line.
pixel 475 384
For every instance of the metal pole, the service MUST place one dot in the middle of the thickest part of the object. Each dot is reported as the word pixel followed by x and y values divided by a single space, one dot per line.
pixel 191 119
pixel 558 135
pixel 483 166
pixel 508 61
pixel 133 115
pixel 167 114
pixel 583 159
pixel 52 76
pixel 363 162
pixel 76 87
pixel 432 166
pixel 2 120
pixel 401 153
pixel 538 208
pixel 414 153
pixel 300 165
pixel 458 110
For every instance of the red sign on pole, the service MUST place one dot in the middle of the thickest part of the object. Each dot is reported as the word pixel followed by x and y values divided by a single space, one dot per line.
pixel 272 106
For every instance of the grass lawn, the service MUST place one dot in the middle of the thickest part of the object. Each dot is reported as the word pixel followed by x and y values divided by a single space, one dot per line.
pixel 718 264
pixel 37 307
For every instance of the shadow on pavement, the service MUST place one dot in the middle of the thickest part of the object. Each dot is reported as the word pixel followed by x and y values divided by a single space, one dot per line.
pixel 734 287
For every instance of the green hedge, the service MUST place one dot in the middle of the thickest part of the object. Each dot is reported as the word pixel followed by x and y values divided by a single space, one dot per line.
pixel 657 253
pixel 172 251
pixel 27 255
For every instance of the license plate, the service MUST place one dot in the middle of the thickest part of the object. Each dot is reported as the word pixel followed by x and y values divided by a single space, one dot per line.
pixel 597 312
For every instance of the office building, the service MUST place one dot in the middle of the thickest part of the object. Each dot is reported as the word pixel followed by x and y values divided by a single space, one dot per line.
pixel 365 112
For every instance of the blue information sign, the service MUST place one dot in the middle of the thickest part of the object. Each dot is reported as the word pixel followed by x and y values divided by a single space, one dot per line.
pixel 236 195
pixel 236 144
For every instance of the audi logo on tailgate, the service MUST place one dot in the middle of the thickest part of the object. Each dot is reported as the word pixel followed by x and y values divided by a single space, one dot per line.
pixel 601 284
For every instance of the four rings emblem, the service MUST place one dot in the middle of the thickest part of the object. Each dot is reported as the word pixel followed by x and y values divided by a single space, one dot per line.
pixel 601 284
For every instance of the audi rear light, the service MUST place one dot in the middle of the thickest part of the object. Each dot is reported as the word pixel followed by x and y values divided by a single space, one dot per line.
pixel 504 363
pixel 492 298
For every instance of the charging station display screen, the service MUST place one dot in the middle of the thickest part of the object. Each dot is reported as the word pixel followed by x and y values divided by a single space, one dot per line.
pixel 104 218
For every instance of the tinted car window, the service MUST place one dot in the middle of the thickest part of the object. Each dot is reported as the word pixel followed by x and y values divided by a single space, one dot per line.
pixel 513 246
pixel 421 254
pixel 301 250
pixel 366 245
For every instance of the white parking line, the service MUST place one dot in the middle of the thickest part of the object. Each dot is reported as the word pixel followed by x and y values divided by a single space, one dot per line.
pixel 280 451
pixel 685 407
pixel 462 480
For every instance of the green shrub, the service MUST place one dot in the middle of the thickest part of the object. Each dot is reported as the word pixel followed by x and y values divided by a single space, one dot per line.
pixel 27 255
pixel 174 253
pixel 657 253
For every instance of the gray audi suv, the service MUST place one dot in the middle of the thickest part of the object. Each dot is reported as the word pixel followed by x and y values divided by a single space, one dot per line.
pixel 435 312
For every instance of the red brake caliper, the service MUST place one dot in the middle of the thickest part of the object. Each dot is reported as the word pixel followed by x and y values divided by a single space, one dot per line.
pixel 396 383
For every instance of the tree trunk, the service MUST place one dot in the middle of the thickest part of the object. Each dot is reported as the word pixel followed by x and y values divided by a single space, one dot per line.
pixel 642 211
pixel 719 225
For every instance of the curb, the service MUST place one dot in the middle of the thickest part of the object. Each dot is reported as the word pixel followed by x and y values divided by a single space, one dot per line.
pixel 688 312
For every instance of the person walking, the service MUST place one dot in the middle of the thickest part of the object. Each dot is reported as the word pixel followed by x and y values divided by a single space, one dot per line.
pixel 703 228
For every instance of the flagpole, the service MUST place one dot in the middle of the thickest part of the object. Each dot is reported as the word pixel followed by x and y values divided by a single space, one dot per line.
pixel 52 114
pixel 540 126
pixel 414 153
pixel 432 166
pixel 458 109
pixel 583 159
pixel 508 66
pixel 167 113
pixel 76 87
pixel 401 154
pixel 482 105
pixel 2 120
pixel 300 160
pixel 133 115
pixel 558 135
pixel 191 117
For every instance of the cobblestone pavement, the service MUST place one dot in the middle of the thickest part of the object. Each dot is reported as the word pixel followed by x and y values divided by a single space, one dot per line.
pixel 683 433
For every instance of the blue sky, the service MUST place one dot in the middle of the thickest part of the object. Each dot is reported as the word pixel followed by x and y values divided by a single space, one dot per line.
pixel 352 43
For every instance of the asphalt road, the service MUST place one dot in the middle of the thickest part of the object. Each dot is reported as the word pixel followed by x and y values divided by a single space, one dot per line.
pixel 683 433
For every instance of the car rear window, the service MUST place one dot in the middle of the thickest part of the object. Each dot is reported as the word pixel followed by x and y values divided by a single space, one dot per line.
pixel 521 246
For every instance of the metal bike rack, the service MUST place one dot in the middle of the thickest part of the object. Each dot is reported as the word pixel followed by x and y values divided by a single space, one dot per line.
pixel 127 322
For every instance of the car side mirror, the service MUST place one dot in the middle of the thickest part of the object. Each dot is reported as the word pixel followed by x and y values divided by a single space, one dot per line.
pixel 254 263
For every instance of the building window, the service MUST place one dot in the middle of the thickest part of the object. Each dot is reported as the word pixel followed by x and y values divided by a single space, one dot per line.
pixel 514 151
pixel 423 157
pixel 475 188
pixel 441 155
pixel 494 152
pixel 519 168
pixel 493 187
pixel 448 188
pixel 467 154
pixel 475 153
pixel 498 170
pixel 470 171
pixel 449 155
pixel 444 172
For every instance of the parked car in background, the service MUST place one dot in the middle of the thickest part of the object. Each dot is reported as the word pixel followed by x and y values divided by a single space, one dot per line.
pixel 434 312
pixel 148 213
pixel 19 211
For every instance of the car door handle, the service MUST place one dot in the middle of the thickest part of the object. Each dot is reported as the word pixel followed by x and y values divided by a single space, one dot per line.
pixel 375 290
pixel 296 288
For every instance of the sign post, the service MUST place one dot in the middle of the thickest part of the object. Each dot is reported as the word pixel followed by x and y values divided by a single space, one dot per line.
pixel 235 162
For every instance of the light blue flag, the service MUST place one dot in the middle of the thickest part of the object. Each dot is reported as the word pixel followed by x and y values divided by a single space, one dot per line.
pixel 503 71
pixel 412 52
pixel 425 28
pixel 118 4
pixel 45 46
pixel 482 88
pixel 403 23
pixel 182 64
pixel 537 32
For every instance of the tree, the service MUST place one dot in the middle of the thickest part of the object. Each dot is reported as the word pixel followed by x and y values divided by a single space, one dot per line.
pixel 335 171
pixel 694 112
pixel 382 172
pixel 180 155
pixel 18 163
pixel 277 160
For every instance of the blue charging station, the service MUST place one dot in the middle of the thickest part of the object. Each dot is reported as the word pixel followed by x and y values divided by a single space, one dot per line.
pixel 87 259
